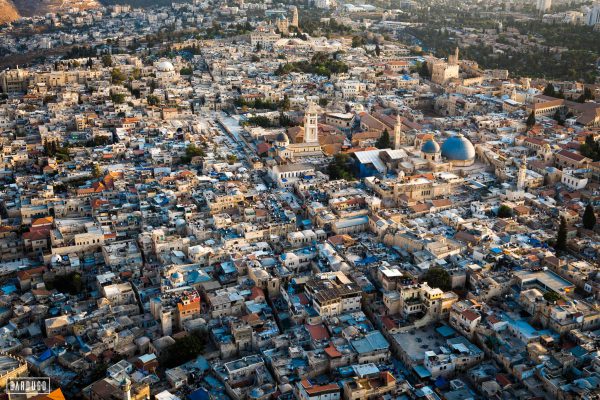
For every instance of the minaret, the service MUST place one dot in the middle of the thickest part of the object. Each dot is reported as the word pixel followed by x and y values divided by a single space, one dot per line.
pixel 398 133
pixel 522 173
pixel 125 389
pixel 513 95
pixel 453 59
pixel 294 16
pixel 311 126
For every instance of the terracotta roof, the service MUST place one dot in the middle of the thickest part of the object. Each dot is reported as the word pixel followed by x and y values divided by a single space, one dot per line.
pixel 387 378
pixel 43 221
pixel 470 315
pixel 256 292
pixel 315 389
pixel 503 380
pixel 36 235
pixel 332 351
pixel 30 272
pixel 389 323
pixel 535 141
pixel 420 208
pixel 193 305
pixel 569 154
pixel 54 395
pixel 317 332
pixel 441 203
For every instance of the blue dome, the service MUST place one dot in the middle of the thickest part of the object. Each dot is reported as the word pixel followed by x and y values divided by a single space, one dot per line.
pixel 430 146
pixel 458 148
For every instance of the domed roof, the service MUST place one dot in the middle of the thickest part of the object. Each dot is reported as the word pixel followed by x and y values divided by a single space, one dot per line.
pixel 165 66
pixel 430 146
pixel 176 275
pixel 458 148
pixel 282 137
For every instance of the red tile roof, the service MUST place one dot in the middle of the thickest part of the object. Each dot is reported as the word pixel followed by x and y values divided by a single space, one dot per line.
pixel 317 332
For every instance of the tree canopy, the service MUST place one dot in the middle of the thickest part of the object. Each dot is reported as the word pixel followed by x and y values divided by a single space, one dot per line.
pixel 561 236
pixel 320 64
pixel 384 141
pixel 530 121
pixel 184 349
pixel 438 277
pixel 589 217
pixel 591 148
pixel 341 167
pixel 504 211
pixel 552 296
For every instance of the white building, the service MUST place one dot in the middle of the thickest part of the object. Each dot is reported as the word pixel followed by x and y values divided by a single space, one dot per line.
pixel 593 16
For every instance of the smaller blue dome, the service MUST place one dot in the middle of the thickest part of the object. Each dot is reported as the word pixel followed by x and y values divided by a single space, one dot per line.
pixel 430 146
pixel 176 275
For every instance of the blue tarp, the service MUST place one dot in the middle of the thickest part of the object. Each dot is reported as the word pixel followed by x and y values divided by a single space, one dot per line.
pixel 441 382
pixel 445 331
pixel 422 372
pixel 199 394
pixel 45 355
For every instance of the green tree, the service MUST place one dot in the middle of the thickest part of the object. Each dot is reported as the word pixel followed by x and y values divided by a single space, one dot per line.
pixel 438 277
pixel 384 141
pixel 260 120
pixel 504 211
pixel 549 90
pixel 530 120
pixel 96 172
pixel 107 61
pixel 194 151
pixel 357 41
pixel 589 217
pixel 152 100
pixel 231 159
pixel 71 283
pixel 136 73
pixel 559 117
pixel 184 349
pixel 377 49
pixel 590 148
pixel 561 236
pixel 552 296
pixel 117 76
pixel 340 167
pixel 424 70
pixel 323 102
pixel 117 98
pixel 285 105
pixel 190 152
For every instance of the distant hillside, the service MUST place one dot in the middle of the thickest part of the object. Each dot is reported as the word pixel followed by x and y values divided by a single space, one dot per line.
pixel 143 3
pixel 11 10
pixel 29 8
pixel 8 11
